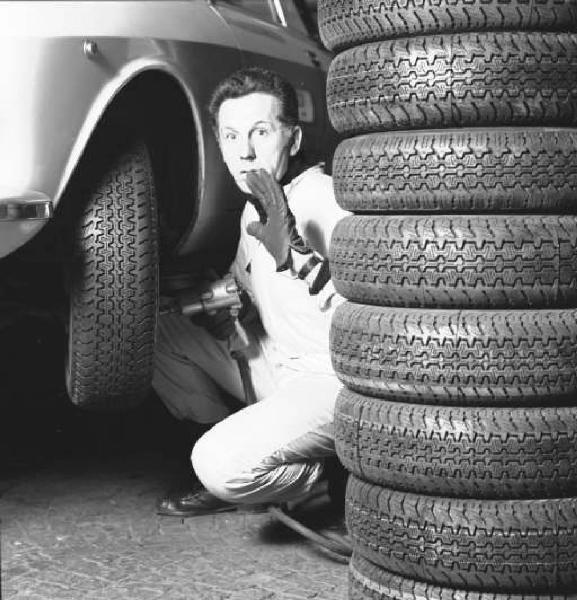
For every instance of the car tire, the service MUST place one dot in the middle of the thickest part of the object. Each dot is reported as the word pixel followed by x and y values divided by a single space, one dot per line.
pixel 457 357
pixel 464 452
pixel 114 287
pixel 457 261
pixel 509 546
pixel 459 80
pixel 370 582
pixel 482 170
pixel 345 23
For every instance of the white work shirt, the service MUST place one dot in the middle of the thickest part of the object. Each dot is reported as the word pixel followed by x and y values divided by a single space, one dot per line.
pixel 296 323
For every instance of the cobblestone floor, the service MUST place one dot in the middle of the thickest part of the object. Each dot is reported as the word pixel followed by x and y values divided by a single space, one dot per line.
pixel 87 530
pixel 77 504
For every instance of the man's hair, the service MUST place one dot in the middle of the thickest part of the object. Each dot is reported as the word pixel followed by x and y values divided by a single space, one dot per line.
pixel 254 80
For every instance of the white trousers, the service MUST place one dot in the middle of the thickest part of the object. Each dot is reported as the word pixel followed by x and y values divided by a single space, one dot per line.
pixel 271 451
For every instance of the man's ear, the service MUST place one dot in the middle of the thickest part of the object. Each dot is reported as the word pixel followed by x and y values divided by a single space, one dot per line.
pixel 296 140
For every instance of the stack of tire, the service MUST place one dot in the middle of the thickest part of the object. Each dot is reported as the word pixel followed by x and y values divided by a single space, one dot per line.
pixel 457 345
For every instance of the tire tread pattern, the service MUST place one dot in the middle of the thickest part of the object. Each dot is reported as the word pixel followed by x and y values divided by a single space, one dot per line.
pixel 442 261
pixel 114 298
pixel 481 170
pixel 370 582
pixel 464 452
pixel 458 80
pixel 488 357
pixel 485 545
pixel 345 23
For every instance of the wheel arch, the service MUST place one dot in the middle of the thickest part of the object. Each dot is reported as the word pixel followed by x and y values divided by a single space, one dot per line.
pixel 153 104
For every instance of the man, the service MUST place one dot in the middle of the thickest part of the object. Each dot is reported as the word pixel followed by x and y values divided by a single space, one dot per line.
pixel 275 450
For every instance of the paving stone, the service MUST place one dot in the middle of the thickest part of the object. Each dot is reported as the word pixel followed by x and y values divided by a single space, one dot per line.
pixel 81 530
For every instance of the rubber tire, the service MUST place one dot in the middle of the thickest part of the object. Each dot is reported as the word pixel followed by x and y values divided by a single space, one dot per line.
pixel 477 358
pixel 458 261
pixel 459 80
pixel 486 545
pixel 114 295
pixel 370 582
pixel 346 23
pixel 482 170
pixel 459 452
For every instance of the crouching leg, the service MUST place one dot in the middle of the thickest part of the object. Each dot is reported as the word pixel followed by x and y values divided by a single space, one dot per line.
pixel 273 451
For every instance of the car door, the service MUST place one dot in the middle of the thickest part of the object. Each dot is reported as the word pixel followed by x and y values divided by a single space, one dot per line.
pixel 273 34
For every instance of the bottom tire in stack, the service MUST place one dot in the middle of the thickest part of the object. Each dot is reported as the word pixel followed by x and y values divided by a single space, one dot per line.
pixel 370 582
pixel 493 545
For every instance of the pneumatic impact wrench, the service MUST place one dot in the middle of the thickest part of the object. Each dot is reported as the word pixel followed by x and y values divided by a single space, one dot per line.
pixel 209 298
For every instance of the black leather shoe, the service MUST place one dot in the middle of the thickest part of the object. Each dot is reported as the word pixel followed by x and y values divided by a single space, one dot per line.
pixel 198 502
pixel 193 503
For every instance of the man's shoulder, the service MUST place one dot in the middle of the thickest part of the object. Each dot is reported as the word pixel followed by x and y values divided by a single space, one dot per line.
pixel 312 176
pixel 312 187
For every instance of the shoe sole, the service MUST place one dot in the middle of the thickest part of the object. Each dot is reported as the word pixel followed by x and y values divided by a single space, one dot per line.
pixel 250 509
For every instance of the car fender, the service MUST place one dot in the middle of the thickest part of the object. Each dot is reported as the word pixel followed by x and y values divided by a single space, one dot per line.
pixel 60 75
pixel 106 97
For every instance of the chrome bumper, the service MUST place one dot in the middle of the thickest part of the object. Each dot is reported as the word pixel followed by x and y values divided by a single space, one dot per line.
pixel 31 207
pixel 22 216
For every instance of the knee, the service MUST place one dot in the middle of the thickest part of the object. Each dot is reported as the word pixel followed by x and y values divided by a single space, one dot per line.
pixel 210 465
pixel 228 472
pixel 235 477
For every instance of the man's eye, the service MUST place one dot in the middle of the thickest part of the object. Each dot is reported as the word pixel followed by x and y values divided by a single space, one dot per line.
pixel 262 132
pixel 230 136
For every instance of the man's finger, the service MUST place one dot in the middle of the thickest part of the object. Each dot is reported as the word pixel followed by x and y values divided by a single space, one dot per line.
pixel 275 192
pixel 260 209
pixel 267 187
pixel 255 183
pixel 270 189
pixel 256 229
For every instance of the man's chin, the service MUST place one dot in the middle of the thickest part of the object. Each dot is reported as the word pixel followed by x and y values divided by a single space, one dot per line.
pixel 242 185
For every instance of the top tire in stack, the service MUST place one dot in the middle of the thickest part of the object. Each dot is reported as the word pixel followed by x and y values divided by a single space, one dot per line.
pixel 458 343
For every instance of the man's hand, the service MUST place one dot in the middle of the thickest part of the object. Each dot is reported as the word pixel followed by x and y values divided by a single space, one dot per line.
pixel 219 323
pixel 278 233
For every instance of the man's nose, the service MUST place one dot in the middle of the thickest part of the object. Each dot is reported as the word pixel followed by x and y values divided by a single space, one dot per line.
pixel 247 149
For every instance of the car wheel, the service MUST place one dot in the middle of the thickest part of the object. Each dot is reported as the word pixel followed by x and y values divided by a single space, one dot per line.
pixel 460 80
pixel 344 23
pixel 465 452
pixel 476 170
pixel 457 261
pixel 487 545
pixel 114 287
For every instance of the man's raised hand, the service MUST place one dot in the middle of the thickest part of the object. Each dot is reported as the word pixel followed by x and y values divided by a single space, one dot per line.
pixel 279 229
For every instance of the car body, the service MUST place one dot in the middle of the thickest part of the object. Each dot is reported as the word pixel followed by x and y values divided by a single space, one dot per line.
pixel 77 71
pixel 64 64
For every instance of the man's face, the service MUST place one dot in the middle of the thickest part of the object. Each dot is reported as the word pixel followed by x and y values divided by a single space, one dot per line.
pixel 251 136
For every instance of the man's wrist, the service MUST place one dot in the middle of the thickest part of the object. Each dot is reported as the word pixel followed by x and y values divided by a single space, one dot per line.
pixel 298 260
pixel 297 247
pixel 287 264
pixel 312 268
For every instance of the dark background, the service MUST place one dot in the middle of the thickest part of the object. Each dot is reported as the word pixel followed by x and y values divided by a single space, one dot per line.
pixel 38 424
